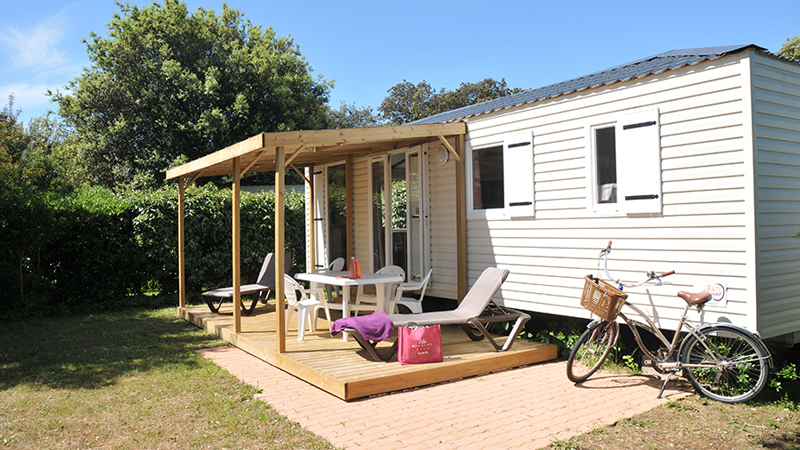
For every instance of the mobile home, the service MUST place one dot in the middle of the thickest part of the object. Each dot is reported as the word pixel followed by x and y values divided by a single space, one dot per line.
pixel 688 160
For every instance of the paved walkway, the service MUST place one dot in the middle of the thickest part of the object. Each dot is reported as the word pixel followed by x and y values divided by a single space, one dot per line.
pixel 525 407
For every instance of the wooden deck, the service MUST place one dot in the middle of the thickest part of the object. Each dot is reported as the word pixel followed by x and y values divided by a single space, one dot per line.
pixel 344 369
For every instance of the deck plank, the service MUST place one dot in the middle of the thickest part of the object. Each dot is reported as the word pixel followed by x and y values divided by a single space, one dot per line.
pixel 344 369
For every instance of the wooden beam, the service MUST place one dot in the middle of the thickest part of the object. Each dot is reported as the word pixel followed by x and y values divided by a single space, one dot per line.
pixel 237 249
pixel 294 155
pixel 181 244
pixel 280 245
pixel 312 251
pixel 350 140
pixel 253 162
pixel 461 221
pixel 300 173
pixel 244 147
pixel 350 136
pixel 449 147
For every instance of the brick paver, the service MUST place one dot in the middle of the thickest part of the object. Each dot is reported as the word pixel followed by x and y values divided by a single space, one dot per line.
pixel 520 408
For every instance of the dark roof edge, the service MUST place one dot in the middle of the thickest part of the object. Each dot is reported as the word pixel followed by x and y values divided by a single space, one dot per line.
pixel 651 65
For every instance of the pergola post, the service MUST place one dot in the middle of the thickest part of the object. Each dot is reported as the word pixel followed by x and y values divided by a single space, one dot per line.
pixel 181 244
pixel 312 251
pixel 280 199
pixel 461 220
pixel 237 249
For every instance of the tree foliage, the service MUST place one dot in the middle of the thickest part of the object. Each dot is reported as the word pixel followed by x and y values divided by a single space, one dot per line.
pixel 408 102
pixel 350 116
pixel 166 84
pixel 791 48
pixel 13 138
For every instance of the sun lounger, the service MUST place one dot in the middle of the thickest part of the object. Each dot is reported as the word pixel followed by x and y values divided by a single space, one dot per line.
pixel 260 289
pixel 476 310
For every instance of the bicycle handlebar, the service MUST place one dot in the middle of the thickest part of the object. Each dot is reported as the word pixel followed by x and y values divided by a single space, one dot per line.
pixel 650 275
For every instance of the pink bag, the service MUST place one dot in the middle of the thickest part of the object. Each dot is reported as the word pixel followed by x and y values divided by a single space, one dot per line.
pixel 420 345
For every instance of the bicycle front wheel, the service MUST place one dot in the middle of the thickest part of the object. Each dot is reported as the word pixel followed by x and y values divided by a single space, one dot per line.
pixel 727 365
pixel 591 350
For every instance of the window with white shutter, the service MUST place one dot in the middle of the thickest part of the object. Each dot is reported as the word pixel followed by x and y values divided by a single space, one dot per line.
pixel 625 163
pixel 502 177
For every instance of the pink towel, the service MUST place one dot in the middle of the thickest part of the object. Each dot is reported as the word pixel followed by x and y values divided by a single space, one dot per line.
pixel 374 327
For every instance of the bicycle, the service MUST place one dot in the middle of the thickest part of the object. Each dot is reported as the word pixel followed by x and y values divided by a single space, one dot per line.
pixel 722 361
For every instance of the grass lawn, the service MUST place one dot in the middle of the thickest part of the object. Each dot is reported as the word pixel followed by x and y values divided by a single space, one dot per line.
pixel 128 380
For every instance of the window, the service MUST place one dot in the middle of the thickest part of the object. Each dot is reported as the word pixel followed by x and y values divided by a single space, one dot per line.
pixel 502 177
pixel 487 178
pixel 605 145
pixel 625 169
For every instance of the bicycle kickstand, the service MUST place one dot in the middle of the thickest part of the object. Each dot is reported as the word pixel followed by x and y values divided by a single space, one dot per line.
pixel 664 386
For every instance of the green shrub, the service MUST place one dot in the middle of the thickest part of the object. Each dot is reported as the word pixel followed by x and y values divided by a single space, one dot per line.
pixel 95 249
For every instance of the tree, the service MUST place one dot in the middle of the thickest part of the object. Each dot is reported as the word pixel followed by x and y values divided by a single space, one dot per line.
pixel 470 94
pixel 350 116
pixel 791 48
pixel 24 216
pixel 13 139
pixel 408 102
pixel 168 85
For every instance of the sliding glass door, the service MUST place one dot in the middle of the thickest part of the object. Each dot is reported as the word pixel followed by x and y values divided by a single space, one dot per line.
pixel 330 223
pixel 398 212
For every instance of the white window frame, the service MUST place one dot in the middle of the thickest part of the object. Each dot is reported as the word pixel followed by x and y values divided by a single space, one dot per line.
pixel 609 209
pixel 518 177
pixel 638 163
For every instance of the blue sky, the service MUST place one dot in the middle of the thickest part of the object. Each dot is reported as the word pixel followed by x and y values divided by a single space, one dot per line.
pixel 367 47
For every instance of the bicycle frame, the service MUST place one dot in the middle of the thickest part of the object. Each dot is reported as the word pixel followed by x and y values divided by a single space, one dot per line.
pixel 670 360
pixel 674 348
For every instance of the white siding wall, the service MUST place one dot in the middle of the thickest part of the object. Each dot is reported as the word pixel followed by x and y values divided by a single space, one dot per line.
pixel 361 208
pixel 776 105
pixel 442 195
pixel 702 234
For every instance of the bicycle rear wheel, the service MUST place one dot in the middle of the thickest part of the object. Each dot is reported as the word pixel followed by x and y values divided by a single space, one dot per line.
pixel 733 365
pixel 591 350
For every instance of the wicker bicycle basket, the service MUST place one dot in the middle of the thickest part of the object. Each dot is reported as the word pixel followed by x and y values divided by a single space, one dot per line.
pixel 602 299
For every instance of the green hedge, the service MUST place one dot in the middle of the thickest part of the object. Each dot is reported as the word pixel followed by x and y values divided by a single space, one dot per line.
pixel 98 250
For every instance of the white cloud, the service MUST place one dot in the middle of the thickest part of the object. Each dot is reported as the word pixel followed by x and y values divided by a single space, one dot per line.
pixel 37 48
pixel 30 98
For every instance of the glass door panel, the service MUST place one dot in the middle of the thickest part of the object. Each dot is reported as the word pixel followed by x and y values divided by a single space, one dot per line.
pixel 377 195
pixel 415 218
pixel 398 221
pixel 399 211
pixel 320 237
pixel 337 213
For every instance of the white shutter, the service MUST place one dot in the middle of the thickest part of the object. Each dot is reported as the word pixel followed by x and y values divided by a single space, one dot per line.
pixel 639 162
pixel 518 175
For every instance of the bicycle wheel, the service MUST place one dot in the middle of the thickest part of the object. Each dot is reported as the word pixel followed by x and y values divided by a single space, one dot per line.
pixel 726 364
pixel 591 350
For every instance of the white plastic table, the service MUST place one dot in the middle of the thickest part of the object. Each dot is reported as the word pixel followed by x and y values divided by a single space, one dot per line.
pixel 343 279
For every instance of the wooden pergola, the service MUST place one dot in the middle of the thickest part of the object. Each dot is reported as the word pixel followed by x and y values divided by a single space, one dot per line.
pixel 299 149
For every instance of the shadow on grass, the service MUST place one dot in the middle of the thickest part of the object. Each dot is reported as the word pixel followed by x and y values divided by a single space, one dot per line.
pixel 93 351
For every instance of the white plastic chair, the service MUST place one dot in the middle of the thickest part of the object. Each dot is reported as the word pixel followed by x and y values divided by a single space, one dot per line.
pixel 305 304
pixel 414 304
pixel 388 287
pixel 335 266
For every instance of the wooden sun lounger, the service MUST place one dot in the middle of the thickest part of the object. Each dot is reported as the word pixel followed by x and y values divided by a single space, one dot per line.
pixel 473 314
pixel 261 288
